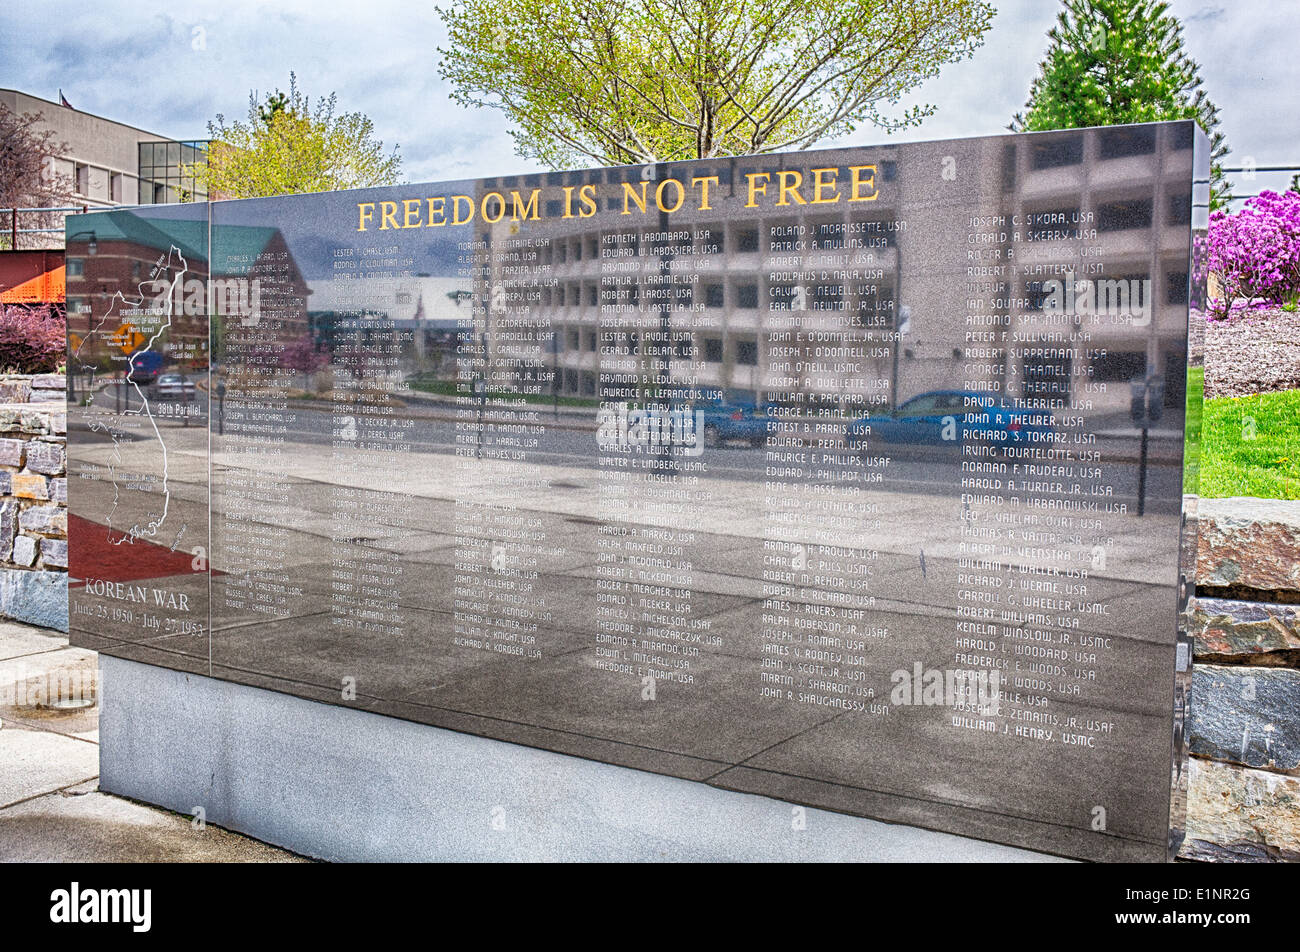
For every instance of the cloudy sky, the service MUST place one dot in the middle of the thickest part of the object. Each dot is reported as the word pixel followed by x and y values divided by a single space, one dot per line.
pixel 170 68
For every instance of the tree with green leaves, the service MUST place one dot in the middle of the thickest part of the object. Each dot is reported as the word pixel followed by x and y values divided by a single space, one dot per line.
pixel 1111 62
pixel 636 81
pixel 287 146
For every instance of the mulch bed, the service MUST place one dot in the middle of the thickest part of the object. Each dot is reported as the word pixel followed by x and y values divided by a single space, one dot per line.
pixel 1252 352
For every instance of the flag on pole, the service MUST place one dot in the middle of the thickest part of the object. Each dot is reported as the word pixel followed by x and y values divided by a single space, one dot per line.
pixel 63 101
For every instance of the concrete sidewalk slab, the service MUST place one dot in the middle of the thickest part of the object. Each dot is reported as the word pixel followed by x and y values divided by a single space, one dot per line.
pixel 37 762
pixel 51 809
pixel 82 825
pixel 18 640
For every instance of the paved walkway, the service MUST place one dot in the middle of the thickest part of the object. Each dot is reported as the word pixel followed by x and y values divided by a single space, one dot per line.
pixel 51 809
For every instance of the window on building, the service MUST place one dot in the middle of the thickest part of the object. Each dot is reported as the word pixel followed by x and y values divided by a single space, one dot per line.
pixel 781 296
pixel 828 296
pixel 747 240
pixel 714 296
pixel 1124 141
pixel 1181 136
pixel 1036 295
pixel 1175 287
pixel 1051 224
pixel 747 295
pixel 1124 215
pixel 1008 168
pixel 830 235
pixel 1056 152
pixel 747 352
pixel 713 350
pixel 1180 210
pixel 1119 366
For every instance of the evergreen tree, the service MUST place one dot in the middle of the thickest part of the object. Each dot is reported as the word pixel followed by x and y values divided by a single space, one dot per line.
pixel 1111 62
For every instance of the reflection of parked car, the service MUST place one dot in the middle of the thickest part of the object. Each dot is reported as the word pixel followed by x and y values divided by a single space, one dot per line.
pixel 174 387
pixel 723 422
pixel 145 367
pixel 951 418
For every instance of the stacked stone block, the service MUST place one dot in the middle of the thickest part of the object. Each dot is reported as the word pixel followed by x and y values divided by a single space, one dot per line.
pixel 34 499
pixel 1244 737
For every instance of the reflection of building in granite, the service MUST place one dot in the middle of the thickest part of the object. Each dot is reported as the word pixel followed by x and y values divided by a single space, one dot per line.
pixel 139 257
pixel 256 284
pixel 425 310
pixel 116 253
pixel 1113 205
pixel 959 244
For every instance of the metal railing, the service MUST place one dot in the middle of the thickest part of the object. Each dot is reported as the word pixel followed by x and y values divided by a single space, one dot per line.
pixel 1251 169
pixel 13 213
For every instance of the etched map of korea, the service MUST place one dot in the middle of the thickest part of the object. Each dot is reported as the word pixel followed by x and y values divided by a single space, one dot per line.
pixel 129 328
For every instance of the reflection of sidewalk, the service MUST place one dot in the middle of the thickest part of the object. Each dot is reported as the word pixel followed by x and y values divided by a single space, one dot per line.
pixel 51 809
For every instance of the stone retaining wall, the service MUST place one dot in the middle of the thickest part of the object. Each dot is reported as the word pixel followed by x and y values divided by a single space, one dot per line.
pixel 1244 736
pixel 34 500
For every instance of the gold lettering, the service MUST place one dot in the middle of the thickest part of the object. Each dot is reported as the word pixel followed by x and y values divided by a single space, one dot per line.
pixel 587 199
pixel 659 195
pixel 855 195
pixel 754 189
pixel 630 192
pixel 388 213
pixel 568 202
pixel 365 213
pixel 411 207
pixel 703 182
pixel 821 183
pixel 520 206
pixel 789 188
pixel 437 212
pixel 501 207
pixel 455 209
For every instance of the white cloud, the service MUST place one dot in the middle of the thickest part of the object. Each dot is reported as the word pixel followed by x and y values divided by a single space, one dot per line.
pixel 138 62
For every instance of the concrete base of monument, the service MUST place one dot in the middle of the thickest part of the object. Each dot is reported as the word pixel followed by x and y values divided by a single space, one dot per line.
pixel 367 787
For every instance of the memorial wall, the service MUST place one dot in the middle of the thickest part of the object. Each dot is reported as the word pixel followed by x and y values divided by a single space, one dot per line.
pixel 858 478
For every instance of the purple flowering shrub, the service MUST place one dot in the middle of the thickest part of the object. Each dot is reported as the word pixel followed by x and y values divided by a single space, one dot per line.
pixel 32 339
pixel 1255 254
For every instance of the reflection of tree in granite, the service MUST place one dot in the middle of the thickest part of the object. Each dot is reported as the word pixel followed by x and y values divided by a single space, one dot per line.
pixel 155 311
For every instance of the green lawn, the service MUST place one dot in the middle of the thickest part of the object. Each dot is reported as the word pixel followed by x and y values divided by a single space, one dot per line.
pixel 1251 446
